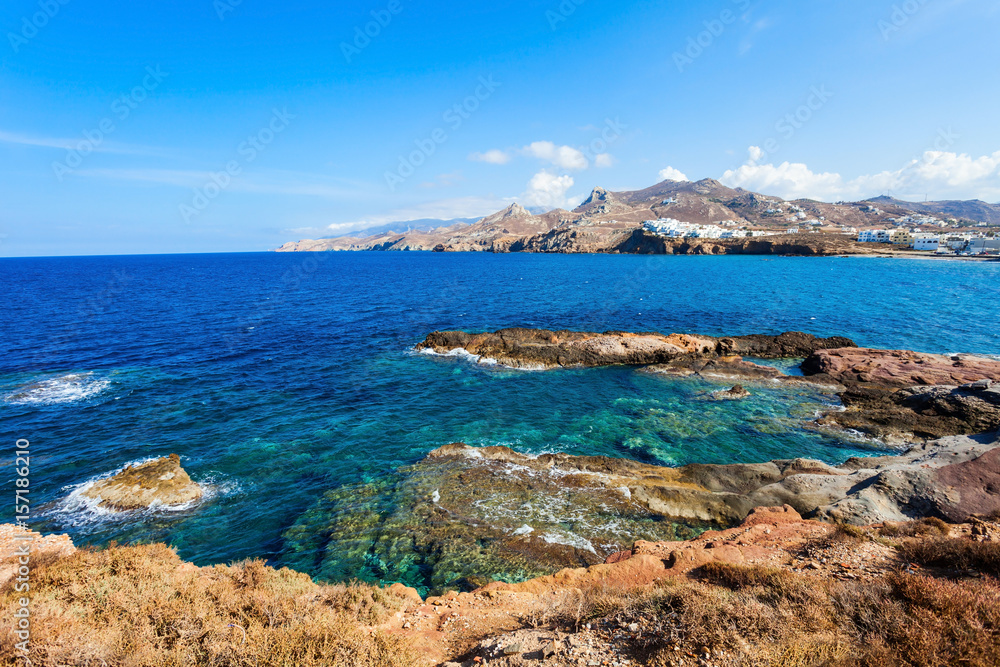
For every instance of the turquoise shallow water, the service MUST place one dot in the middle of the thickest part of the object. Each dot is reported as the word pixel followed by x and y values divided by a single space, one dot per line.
pixel 278 378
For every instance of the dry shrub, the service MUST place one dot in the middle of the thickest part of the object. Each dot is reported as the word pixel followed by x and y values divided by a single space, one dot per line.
pixel 766 616
pixel 845 532
pixel 954 553
pixel 141 606
pixel 928 527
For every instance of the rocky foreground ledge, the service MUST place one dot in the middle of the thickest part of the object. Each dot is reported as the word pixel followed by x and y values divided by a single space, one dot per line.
pixel 776 590
pixel 898 396
pixel 953 478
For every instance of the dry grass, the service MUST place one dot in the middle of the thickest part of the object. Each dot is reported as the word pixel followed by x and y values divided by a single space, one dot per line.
pixel 954 553
pixel 929 527
pixel 141 606
pixel 753 616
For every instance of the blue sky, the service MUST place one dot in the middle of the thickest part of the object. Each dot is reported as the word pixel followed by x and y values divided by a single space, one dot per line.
pixel 228 125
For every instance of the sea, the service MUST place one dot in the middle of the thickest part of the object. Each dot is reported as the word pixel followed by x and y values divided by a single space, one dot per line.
pixel 279 378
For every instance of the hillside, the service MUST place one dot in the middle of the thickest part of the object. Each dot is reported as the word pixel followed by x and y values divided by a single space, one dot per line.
pixel 974 210
pixel 610 222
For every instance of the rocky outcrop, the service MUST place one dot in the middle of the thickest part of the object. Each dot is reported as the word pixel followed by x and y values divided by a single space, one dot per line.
pixel 897 394
pixel 159 482
pixel 17 543
pixel 918 412
pixel 899 368
pixel 534 348
pixel 952 478
pixel 642 242
pixel 737 393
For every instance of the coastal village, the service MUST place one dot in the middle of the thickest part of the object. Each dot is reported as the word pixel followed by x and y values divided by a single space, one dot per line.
pixel 919 233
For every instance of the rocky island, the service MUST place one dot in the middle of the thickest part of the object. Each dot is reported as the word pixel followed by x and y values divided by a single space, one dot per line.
pixel 158 482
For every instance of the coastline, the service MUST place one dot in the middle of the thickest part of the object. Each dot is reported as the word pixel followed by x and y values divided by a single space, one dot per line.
pixel 903 254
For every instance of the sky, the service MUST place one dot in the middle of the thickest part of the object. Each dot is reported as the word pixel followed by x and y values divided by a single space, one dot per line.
pixel 239 125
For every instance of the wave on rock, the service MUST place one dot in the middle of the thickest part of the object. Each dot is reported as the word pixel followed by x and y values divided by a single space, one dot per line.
pixel 62 389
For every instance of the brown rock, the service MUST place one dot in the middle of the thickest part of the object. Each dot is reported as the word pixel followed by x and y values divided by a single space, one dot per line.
pixel 162 481
pixel 899 368
pixel 737 393
pixel 540 348
pixel 406 593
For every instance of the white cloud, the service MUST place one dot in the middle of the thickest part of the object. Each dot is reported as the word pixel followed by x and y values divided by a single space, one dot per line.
pixel 671 174
pixel 564 157
pixel 548 190
pixel 495 156
pixel 937 174
pixel 561 157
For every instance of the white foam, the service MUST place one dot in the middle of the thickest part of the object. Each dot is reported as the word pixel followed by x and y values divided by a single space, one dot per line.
pixel 465 355
pixel 69 388
pixel 524 530
pixel 78 510
pixel 570 540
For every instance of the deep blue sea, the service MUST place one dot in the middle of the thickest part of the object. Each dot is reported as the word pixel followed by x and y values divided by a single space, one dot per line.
pixel 278 377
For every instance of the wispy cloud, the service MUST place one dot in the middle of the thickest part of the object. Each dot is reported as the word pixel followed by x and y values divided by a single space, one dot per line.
pixel 104 146
pixel 561 156
pixel 279 182
pixel 495 156
pixel 750 38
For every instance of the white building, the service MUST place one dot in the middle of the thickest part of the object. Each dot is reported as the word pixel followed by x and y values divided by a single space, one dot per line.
pixel 874 236
pixel 926 242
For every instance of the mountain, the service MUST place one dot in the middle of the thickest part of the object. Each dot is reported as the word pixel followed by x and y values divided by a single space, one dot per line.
pixel 974 210
pixel 609 221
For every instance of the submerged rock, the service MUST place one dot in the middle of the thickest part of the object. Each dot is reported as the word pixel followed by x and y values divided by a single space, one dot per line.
pixel 463 517
pixel 500 515
pixel 162 482
pixel 737 393
pixel 952 478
